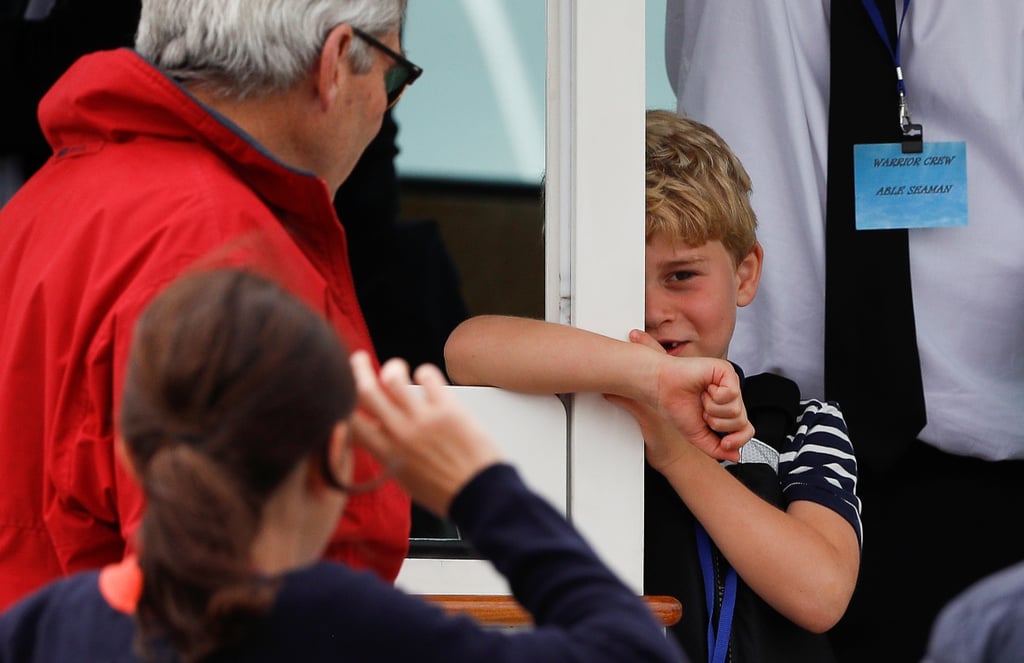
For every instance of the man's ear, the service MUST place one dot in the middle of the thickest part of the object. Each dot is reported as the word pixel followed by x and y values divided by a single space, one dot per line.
pixel 748 273
pixel 332 66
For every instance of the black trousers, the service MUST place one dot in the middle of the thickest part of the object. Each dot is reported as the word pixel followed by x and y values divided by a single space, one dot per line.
pixel 933 524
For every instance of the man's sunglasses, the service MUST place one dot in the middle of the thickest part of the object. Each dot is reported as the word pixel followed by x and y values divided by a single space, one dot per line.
pixel 398 77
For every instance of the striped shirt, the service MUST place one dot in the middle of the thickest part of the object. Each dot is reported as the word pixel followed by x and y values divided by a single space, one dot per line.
pixel 817 462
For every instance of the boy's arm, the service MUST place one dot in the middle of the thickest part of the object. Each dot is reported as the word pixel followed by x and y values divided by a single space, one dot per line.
pixel 802 561
pixel 534 356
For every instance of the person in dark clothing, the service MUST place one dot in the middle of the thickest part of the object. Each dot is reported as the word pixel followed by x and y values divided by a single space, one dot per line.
pixel 238 418
pixel 407 282
pixel 38 42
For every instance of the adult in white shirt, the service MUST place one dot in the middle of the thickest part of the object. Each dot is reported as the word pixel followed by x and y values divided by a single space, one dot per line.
pixel 757 72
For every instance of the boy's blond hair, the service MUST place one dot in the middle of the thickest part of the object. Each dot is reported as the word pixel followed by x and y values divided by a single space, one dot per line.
pixel 697 189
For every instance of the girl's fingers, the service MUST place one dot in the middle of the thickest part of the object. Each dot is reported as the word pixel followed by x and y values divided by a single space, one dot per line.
pixel 434 384
pixel 367 434
pixel 395 375
pixel 366 381
pixel 394 379
pixel 361 365
pixel 375 397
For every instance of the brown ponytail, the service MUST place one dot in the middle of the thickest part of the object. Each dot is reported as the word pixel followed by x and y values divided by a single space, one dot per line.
pixel 231 382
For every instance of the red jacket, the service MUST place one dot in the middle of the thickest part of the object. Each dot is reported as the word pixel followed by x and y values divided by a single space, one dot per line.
pixel 144 182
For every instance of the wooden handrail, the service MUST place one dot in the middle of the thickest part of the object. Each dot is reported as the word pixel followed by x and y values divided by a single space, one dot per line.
pixel 498 610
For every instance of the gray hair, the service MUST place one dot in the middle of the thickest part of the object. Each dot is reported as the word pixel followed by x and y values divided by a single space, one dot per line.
pixel 246 48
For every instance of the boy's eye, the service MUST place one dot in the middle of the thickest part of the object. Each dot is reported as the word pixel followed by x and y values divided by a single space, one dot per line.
pixel 681 276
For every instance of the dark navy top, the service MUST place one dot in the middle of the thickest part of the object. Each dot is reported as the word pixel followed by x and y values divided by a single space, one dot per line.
pixel 329 612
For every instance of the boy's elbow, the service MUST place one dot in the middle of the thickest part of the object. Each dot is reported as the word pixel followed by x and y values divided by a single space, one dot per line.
pixel 452 365
pixel 458 351
pixel 823 611
pixel 822 623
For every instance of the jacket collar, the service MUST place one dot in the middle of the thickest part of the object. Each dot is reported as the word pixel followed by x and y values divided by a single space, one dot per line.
pixel 117 96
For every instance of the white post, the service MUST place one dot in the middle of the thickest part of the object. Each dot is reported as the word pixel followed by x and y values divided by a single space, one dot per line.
pixel 595 247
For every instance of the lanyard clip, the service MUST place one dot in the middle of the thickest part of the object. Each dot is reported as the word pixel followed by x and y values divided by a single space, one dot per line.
pixel 913 134
pixel 904 113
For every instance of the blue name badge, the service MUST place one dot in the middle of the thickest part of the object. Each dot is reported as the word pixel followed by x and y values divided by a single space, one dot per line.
pixel 898 190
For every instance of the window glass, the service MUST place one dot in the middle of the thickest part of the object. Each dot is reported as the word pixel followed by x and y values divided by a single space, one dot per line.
pixel 659 90
pixel 471 156
pixel 477 114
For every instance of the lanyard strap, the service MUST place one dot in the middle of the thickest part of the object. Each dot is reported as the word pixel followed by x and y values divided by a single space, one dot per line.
pixel 894 52
pixel 718 635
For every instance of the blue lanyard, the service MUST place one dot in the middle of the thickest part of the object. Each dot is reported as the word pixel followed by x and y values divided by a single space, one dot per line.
pixel 718 635
pixel 894 52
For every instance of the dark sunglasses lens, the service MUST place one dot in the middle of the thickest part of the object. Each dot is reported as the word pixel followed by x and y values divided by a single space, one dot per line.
pixel 395 81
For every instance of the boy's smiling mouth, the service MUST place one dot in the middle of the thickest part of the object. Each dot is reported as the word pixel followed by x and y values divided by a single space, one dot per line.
pixel 674 347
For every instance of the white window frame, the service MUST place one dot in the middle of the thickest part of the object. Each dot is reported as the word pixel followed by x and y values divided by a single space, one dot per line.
pixel 594 244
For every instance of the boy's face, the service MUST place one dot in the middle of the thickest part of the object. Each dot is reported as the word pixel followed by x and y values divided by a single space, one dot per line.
pixel 692 294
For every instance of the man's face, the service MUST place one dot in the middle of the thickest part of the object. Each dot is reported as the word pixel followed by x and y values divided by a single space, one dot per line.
pixel 364 102
pixel 691 297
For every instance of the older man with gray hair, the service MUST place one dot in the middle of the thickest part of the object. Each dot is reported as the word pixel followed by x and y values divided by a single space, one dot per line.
pixel 221 139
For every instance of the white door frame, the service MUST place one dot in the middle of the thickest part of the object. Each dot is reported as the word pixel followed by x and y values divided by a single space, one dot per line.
pixel 594 239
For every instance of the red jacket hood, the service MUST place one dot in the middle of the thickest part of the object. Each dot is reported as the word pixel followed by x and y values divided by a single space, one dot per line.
pixel 117 96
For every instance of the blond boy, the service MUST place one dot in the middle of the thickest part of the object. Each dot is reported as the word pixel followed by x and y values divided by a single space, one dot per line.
pixel 798 559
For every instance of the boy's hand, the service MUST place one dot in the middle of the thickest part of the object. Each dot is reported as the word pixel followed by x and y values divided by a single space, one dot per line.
pixel 726 414
pixel 430 442
pixel 663 443
pixel 701 397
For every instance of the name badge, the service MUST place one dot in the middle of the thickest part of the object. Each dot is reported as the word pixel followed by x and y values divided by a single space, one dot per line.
pixel 894 189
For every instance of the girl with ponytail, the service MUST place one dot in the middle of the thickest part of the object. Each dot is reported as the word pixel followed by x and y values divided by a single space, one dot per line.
pixel 237 417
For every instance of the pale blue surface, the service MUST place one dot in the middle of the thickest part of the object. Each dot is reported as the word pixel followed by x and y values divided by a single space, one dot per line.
pixel 478 111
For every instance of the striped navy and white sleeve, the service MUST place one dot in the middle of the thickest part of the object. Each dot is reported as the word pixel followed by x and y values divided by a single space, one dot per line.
pixel 818 463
